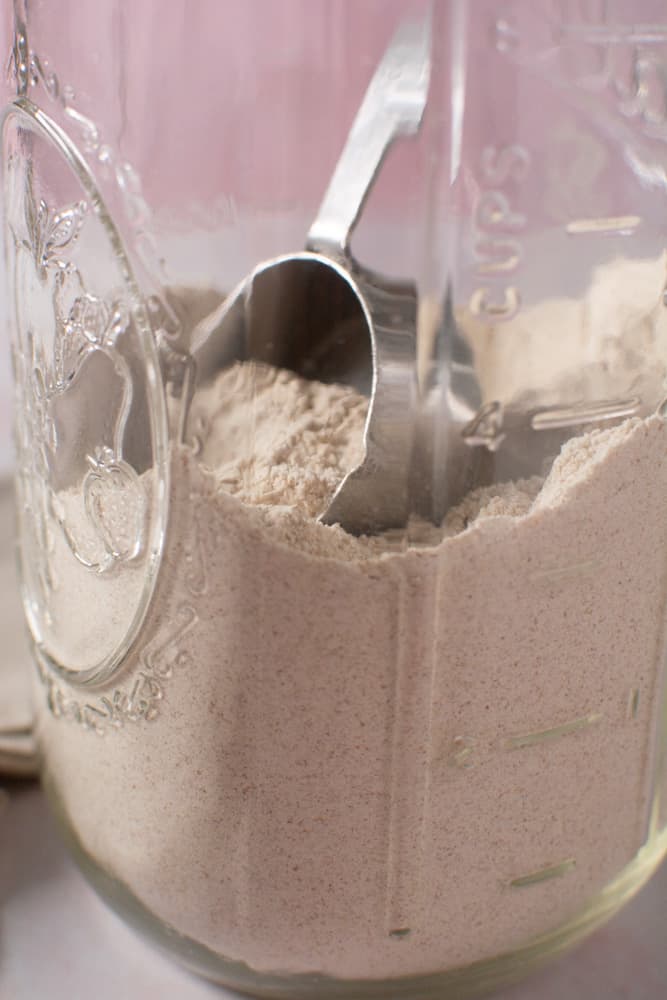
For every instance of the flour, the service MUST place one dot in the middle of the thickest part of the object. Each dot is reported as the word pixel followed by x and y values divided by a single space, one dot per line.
pixel 569 349
pixel 341 776
pixel 279 440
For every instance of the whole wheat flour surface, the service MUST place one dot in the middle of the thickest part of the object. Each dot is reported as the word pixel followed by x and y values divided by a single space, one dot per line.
pixel 341 774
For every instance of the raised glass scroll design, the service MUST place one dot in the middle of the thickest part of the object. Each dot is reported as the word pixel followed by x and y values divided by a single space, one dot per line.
pixel 90 412
pixel 50 288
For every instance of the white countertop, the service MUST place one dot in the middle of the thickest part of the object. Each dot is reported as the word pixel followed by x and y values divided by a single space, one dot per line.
pixel 58 941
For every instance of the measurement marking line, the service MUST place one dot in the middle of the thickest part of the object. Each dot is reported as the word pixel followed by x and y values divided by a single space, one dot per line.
pixel 619 34
pixel 571 416
pixel 558 571
pixel 553 733
pixel 633 703
pixel 619 224
pixel 543 874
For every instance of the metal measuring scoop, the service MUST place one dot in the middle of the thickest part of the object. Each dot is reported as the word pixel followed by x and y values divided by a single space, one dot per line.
pixel 319 313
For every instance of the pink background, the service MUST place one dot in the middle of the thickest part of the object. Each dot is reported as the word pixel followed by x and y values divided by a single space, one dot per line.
pixel 234 108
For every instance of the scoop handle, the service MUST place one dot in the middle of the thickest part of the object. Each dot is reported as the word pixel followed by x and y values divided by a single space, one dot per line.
pixel 393 106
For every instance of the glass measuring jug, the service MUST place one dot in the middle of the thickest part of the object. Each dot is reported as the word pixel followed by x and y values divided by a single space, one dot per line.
pixel 312 764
